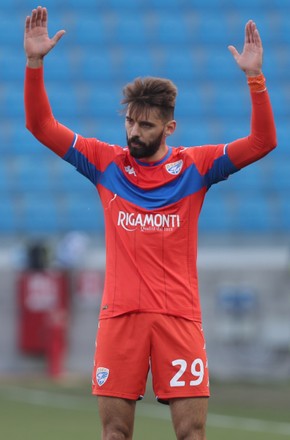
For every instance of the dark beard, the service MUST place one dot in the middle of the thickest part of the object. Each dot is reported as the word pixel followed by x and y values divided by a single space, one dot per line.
pixel 143 150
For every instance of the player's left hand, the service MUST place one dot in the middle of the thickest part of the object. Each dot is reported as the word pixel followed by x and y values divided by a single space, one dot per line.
pixel 251 58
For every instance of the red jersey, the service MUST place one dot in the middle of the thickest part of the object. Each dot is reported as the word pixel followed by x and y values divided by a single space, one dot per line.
pixel 151 210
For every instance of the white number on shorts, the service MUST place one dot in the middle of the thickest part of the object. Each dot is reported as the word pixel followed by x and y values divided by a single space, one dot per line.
pixel 175 382
pixel 198 373
pixel 197 370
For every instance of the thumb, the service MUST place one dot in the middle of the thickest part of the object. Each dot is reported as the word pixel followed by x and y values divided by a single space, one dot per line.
pixel 57 37
pixel 234 52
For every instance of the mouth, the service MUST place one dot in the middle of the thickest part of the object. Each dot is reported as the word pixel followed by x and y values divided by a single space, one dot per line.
pixel 136 144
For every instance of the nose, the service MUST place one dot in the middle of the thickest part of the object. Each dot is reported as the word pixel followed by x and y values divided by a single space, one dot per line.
pixel 134 130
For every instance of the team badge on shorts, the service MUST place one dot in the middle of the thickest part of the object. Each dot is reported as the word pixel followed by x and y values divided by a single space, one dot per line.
pixel 174 168
pixel 102 375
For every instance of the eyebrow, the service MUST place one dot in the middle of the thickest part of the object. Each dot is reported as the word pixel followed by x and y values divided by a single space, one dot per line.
pixel 140 122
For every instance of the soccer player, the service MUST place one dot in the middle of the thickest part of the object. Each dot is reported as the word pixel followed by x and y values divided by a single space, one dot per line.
pixel 152 194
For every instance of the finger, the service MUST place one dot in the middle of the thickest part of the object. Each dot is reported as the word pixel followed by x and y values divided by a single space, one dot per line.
pixel 57 37
pixel 253 31
pixel 44 17
pixel 38 15
pixel 249 32
pixel 257 38
pixel 27 24
pixel 33 18
pixel 234 52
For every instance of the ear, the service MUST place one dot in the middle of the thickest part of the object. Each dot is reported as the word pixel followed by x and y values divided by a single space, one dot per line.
pixel 170 127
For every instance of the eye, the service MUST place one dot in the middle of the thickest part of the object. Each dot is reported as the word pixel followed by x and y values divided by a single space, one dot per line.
pixel 129 120
pixel 146 125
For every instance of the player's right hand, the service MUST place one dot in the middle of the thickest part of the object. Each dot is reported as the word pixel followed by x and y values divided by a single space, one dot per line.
pixel 36 40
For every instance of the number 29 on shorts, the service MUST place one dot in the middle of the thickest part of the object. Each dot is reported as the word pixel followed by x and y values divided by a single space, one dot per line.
pixel 196 369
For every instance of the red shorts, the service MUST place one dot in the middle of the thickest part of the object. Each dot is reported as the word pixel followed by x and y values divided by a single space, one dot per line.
pixel 128 346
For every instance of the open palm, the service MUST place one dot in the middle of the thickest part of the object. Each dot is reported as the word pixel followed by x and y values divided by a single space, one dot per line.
pixel 36 40
pixel 251 58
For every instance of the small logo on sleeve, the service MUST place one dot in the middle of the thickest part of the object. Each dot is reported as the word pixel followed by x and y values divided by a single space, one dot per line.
pixel 102 375
pixel 174 168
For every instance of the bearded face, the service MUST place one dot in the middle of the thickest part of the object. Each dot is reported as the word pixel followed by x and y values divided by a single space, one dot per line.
pixel 141 149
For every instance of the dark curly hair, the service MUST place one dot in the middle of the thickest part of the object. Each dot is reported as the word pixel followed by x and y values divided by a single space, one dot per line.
pixel 141 95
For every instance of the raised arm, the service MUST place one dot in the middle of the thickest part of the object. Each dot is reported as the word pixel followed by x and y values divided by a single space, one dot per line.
pixel 262 138
pixel 39 117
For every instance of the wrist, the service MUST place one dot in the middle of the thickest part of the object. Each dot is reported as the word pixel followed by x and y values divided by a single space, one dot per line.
pixel 34 63
pixel 253 73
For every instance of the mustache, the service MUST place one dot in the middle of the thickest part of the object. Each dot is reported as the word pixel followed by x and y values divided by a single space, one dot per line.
pixel 136 140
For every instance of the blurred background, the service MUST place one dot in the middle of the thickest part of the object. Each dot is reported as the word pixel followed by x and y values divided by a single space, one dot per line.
pixel 51 221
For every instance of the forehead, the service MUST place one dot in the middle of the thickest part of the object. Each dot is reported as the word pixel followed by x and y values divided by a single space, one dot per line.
pixel 148 114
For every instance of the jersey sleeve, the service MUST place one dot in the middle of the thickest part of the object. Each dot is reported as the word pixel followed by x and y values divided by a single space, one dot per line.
pixel 262 137
pixel 39 117
pixel 217 162
pixel 89 155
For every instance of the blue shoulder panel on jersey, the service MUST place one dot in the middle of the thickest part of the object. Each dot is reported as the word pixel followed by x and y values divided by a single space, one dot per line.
pixel 221 169
pixel 82 164
pixel 187 183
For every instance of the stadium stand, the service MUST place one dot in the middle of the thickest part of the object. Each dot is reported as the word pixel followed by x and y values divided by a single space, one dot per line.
pixel 107 44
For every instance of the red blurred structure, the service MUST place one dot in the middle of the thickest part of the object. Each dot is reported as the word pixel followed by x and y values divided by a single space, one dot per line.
pixel 43 316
